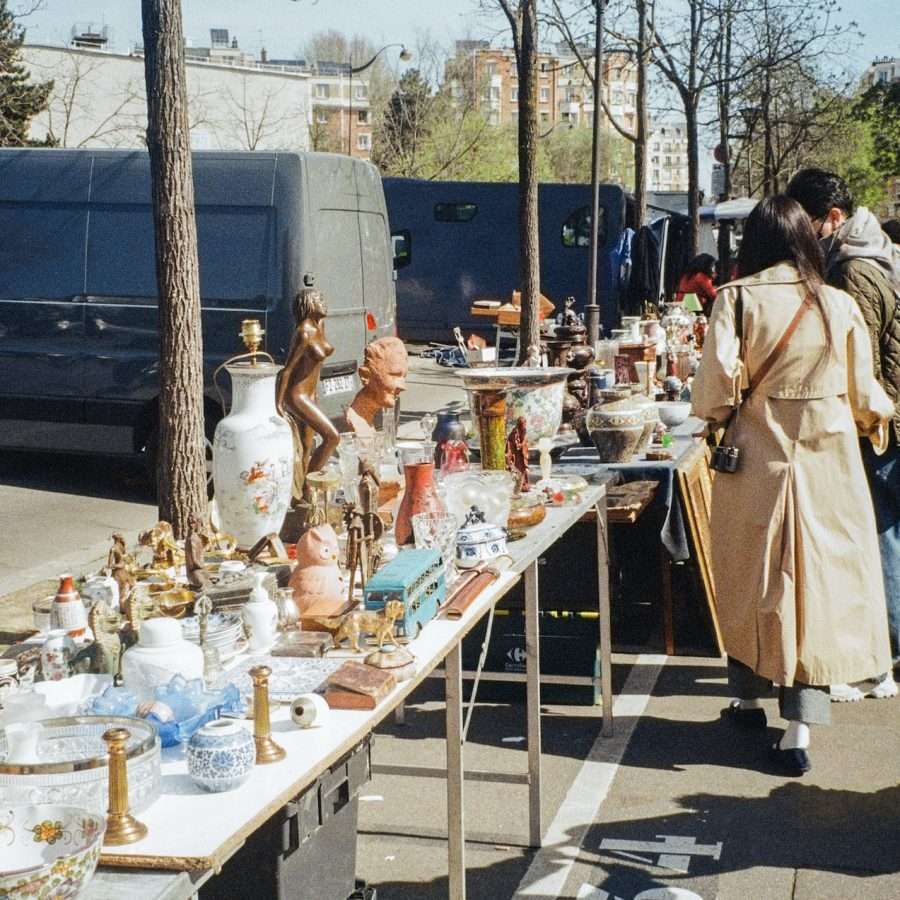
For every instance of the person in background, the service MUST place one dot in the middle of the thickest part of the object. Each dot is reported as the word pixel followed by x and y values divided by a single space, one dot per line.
pixel 698 278
pixel 892 229
pixel 794 550
pixel 861 260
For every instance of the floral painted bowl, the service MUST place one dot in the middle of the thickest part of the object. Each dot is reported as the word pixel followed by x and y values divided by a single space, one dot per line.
pixel 48 850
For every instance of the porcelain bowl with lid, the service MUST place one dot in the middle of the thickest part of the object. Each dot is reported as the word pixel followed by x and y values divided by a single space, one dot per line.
pixel 478 541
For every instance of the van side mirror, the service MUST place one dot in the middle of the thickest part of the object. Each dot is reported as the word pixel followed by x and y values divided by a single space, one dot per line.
pixel 401 244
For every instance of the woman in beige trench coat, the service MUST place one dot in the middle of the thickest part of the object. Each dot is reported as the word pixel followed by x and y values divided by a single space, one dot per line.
pixel 794 547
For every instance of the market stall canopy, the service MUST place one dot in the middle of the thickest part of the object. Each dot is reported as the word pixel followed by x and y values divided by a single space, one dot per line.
pixel 739 208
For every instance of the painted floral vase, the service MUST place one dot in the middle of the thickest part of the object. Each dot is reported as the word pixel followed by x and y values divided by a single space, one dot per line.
pixel 253 457
pixel 57 653
pixel 420 495
pixel 221 755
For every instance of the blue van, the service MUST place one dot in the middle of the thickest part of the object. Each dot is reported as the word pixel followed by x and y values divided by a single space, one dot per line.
pixel 78 293
pixel 456 242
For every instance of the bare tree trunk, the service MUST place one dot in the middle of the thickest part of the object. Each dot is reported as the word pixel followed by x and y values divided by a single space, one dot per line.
pixel 640 144
pixel 693 138
pixel 529 261
pixel 181 477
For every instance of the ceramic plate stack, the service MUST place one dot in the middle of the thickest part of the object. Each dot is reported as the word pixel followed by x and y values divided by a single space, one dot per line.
pixel 225 632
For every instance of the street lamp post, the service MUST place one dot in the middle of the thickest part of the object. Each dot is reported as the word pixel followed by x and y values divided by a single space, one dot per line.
pixel 592 308
pixel 405 55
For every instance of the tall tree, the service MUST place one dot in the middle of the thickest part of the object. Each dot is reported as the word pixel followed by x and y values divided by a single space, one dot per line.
pixel 405 125
pixel 20 100
pixel 181 479
pixel 879 109
pixel 523 22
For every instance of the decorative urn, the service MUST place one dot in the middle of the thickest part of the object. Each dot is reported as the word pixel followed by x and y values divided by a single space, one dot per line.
pixel 253 457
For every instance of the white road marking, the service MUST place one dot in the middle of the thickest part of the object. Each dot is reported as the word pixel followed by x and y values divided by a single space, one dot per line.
pixel 675 851
pixel 547 874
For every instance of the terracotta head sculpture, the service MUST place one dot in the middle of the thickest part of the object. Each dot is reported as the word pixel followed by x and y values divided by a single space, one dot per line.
pixel 383 374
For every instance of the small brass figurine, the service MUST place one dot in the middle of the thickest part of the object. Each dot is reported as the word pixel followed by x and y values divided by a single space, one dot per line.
pixel 296 393
pixel 107 647
pixel 121 567
pixel 121 826
pixel 267 751
pixel 161 540
pixel 377 622
pixel 194 552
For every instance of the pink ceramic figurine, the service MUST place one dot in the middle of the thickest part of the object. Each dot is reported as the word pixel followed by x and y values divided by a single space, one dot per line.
pixel 317 579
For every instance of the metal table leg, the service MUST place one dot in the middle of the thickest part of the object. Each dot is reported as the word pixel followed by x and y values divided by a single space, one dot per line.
pixel 533 703
pixel 456 838
pixel 605 626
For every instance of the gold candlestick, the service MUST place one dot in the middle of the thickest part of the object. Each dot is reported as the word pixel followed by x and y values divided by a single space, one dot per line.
pixel 267 751
pixel 121 826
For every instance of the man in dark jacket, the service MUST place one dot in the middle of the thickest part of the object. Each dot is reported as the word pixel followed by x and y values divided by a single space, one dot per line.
pixel 861 260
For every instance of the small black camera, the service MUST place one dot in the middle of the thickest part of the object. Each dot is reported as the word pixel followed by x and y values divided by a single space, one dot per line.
pixel 725 459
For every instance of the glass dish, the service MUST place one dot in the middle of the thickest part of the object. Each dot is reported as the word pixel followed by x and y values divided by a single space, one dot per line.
pixel 73 767
pixel 490 491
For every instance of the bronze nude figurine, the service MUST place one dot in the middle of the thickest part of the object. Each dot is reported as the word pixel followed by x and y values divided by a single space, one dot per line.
pixel 296 393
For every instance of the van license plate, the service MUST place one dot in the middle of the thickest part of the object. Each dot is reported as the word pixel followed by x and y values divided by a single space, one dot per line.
pixel 340 384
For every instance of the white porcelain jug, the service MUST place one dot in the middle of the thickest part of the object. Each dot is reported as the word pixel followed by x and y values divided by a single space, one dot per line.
pixel 253 457
pixel 260 614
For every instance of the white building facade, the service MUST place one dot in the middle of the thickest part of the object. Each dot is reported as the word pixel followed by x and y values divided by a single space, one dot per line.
pixel 667 157
pixel 99 100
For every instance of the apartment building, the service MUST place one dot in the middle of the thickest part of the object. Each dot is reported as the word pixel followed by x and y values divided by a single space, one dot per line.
pixel 667 157
pixel 565 92
pixel 235 102
pixel 884 70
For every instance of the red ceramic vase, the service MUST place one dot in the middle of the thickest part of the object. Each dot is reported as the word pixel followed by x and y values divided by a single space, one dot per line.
pixel 420 495
pixel 68 610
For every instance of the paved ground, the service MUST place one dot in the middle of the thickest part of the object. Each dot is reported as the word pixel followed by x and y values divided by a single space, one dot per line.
pixel 704 817
pixel 702 814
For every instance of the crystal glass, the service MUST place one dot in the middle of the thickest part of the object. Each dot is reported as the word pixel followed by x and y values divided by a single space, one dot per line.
pixel 73 768
pixel 348 460
pixel 419 453
pixel 41 612
pixel 606 351
pixel 427 423
pixel 437 530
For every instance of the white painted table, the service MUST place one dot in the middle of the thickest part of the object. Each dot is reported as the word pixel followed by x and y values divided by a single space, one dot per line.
pixel 194 833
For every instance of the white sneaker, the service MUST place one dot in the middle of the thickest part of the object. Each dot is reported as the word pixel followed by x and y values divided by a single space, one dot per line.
pixel 845 693
pixel 884 689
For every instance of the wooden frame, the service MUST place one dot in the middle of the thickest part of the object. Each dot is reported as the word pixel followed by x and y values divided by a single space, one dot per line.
pixel 695 490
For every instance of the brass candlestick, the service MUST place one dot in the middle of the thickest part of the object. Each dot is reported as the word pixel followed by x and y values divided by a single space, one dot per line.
pixel 121 826
pixel 267 751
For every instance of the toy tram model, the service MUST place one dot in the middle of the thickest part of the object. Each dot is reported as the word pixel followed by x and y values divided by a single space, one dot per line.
pixel 414 577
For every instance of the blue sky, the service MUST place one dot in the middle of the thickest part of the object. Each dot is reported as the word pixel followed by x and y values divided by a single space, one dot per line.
pixel 283 25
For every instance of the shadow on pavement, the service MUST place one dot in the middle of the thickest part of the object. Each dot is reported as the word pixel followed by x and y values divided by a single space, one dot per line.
pixel 107 477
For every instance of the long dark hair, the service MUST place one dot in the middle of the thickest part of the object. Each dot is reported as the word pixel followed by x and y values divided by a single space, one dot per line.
pixel 778 230
pixel 704 262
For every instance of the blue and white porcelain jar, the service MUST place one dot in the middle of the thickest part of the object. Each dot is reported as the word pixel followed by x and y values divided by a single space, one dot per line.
pixel 221 755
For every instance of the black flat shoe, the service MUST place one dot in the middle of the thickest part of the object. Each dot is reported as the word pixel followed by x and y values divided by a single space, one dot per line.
pixel 744 718
pixel 791 762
